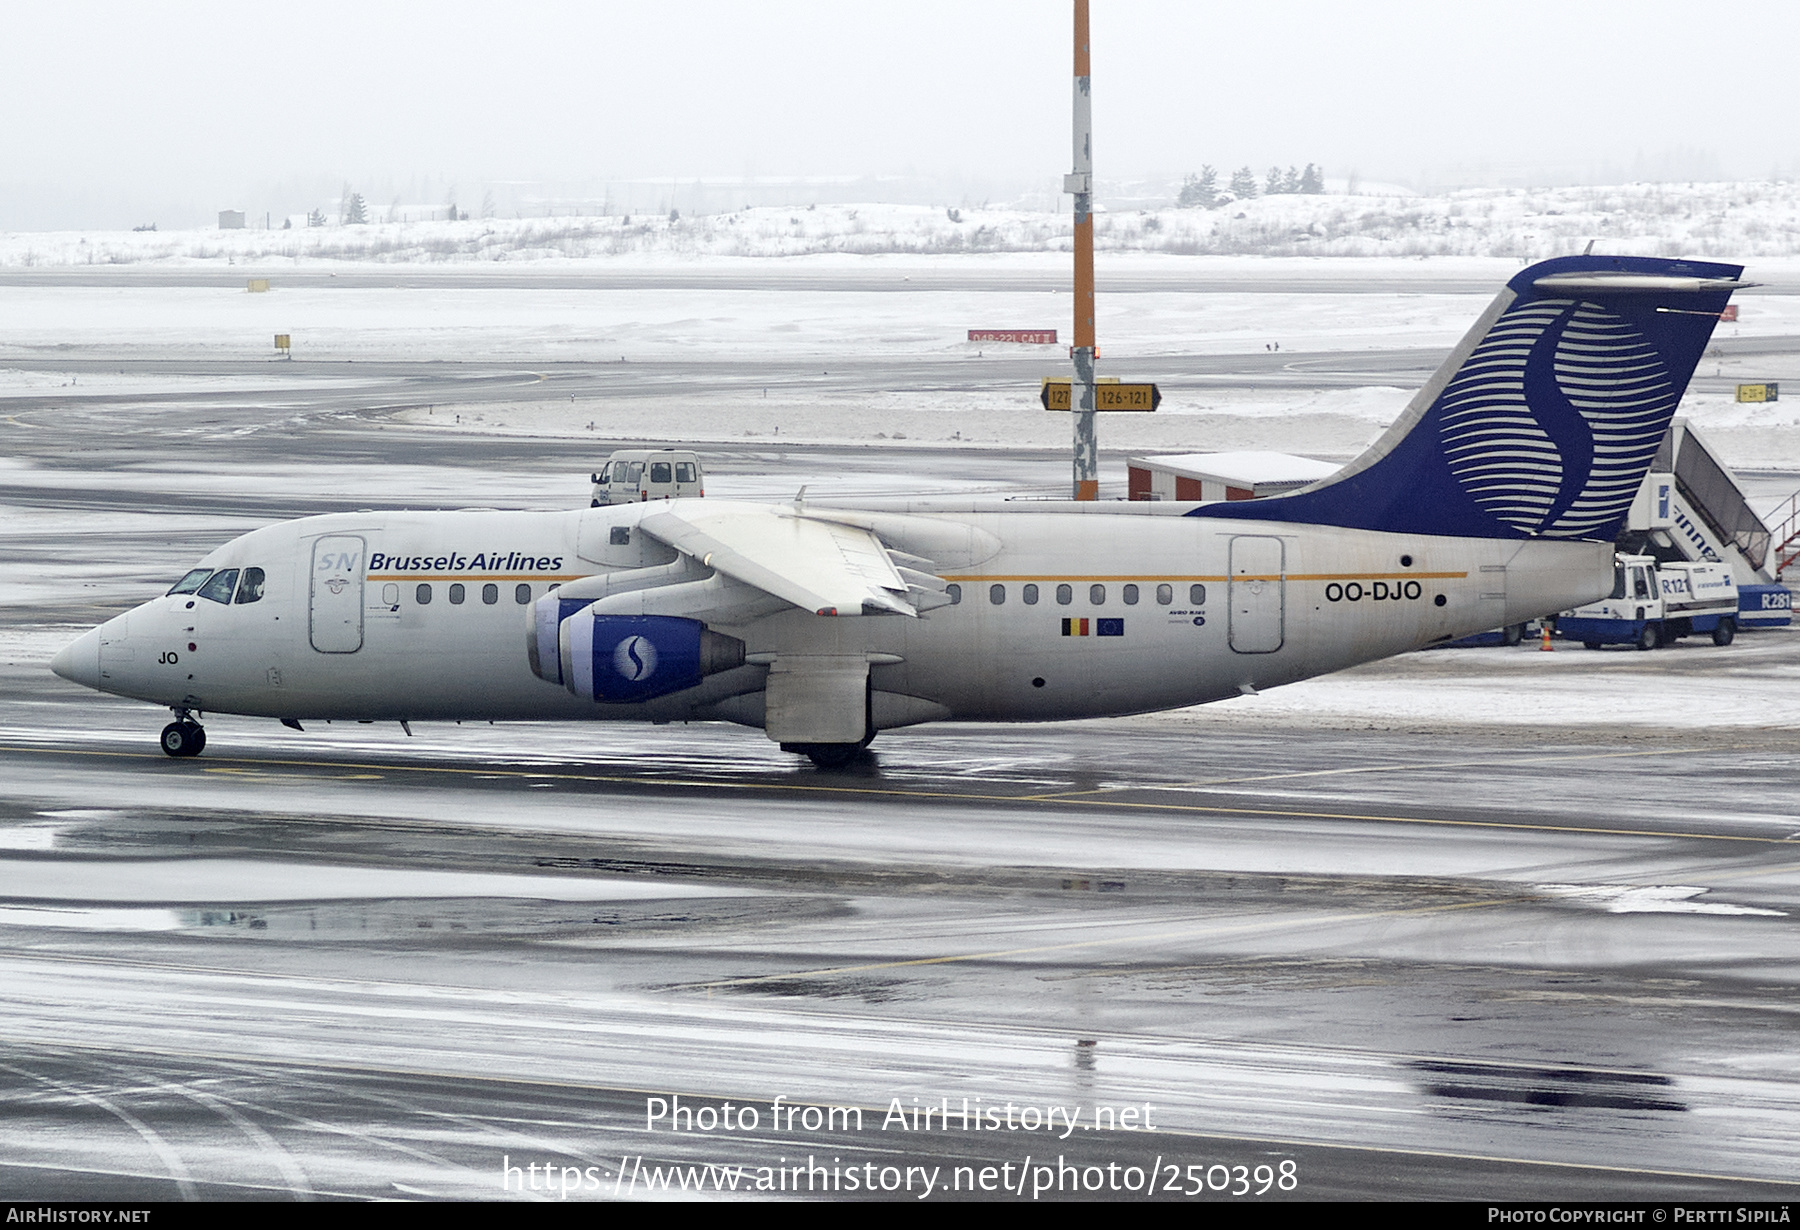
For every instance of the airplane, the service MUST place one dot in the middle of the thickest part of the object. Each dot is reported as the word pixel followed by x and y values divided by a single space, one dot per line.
pixel 1492 500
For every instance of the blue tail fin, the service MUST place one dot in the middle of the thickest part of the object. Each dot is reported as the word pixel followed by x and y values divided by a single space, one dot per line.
pixel 1543 420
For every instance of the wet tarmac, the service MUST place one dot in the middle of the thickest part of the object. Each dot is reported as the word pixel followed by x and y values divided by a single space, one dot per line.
pixel 1301 959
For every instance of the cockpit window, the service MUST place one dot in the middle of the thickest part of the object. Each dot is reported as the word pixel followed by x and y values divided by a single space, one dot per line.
pixel 219 588
pixel 191 582
pixel 252 588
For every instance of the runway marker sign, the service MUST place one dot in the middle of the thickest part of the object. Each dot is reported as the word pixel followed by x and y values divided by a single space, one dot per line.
pixel 1027 337
pixel 1108 395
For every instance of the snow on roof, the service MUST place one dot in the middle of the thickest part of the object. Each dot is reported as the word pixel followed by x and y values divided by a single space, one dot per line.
pixel 1242 469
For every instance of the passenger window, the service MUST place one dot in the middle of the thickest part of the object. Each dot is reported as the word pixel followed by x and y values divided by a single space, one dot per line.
pixel 490 594
pixel 423 594
pixel 1131 595
pixel 997 595
pixel 1165 595
pixel 1064 595
pixel 1097 594
pixel 522 595
pixel 662 472
pixel 955 592
pixel 219 588
pixel 456 595
pixel 634 471
pixel 191 582
pixel 390 594
pixel 1030 595
pixel 1197 595
pixel 252 588
pixel 684 471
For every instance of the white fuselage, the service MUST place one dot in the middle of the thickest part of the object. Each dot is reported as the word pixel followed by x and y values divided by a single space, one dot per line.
pixel 1136 608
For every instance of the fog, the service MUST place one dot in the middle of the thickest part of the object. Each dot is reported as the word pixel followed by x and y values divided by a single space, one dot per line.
pixel 125 113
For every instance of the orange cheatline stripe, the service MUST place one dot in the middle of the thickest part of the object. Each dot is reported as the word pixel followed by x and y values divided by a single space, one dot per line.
pixel 1219 580
pixel 450 576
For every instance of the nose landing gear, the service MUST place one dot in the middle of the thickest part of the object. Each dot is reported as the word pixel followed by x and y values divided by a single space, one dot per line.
pixel 184 736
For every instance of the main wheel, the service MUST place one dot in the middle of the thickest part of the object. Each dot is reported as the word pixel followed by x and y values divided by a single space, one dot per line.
pixel 1650 637
pixel 183 739
pixel 828 755
pixel 1590 644
pixel 1726 632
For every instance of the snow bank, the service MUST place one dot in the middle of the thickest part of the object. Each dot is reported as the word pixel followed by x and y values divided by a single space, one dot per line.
pixel 1743 220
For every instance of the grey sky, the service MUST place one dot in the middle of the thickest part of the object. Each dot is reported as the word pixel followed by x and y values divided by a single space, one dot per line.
pixel 118 109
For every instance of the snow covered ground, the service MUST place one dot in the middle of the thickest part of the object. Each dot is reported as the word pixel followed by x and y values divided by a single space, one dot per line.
pixel 1692 686
pixel 792 322
pixel 1727 220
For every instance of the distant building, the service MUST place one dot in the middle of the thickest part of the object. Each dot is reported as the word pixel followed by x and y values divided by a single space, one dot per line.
pixel 231 219
pixel 1222 476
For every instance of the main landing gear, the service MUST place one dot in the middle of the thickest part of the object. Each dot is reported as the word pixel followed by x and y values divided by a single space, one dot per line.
pixel 184 736
pixel 829 755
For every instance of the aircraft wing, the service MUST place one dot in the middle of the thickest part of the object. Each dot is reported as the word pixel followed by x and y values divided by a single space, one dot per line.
pixel 825 567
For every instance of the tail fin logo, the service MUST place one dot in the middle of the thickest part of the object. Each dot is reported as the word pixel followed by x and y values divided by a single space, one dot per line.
pixel 1552 421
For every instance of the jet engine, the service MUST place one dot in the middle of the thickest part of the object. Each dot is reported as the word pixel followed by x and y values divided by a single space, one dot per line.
pixel 621 659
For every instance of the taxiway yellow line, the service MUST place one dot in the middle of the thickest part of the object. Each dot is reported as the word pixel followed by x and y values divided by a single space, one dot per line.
pixel 800 788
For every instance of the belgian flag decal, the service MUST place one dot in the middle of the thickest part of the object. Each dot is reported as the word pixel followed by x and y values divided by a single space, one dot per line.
pixel 1093 627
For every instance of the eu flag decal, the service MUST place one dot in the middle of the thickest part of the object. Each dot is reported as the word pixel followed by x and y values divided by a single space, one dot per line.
pixel 1109 627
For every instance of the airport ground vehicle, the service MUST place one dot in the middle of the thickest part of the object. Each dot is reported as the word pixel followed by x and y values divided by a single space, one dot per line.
pixel 1655 604
pixel 634 475
pixel 1493 500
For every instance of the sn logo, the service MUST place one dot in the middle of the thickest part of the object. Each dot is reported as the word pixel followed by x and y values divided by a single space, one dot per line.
pixel 343 560
pixel 635 659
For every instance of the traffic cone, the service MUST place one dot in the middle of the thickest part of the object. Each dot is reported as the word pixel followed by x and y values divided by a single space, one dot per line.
pixel 1546 646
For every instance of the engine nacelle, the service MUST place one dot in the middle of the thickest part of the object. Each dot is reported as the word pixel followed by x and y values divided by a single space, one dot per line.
pixel 620 659
pixel 543 640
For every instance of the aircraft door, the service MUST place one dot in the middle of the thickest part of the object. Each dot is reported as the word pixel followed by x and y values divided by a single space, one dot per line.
pixel 335 610
pixel 1258 593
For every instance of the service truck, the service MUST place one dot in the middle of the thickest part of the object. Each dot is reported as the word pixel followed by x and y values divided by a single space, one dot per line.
pixel 1653 604
pixel 635 475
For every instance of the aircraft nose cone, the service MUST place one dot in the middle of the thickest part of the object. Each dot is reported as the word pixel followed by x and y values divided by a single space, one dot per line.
pixel 79 660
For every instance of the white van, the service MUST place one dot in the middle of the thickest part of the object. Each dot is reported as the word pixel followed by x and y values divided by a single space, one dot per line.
pixel 633 475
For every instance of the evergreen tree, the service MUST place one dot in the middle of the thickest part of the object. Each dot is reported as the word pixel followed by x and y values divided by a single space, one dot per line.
pixel 1243 184
pixel 352 209
pixel 1200 191
pixel 1312 180
pixel 1290 183
pixel 1272 182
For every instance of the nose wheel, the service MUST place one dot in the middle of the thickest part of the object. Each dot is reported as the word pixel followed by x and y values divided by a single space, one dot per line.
pixel 184 737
